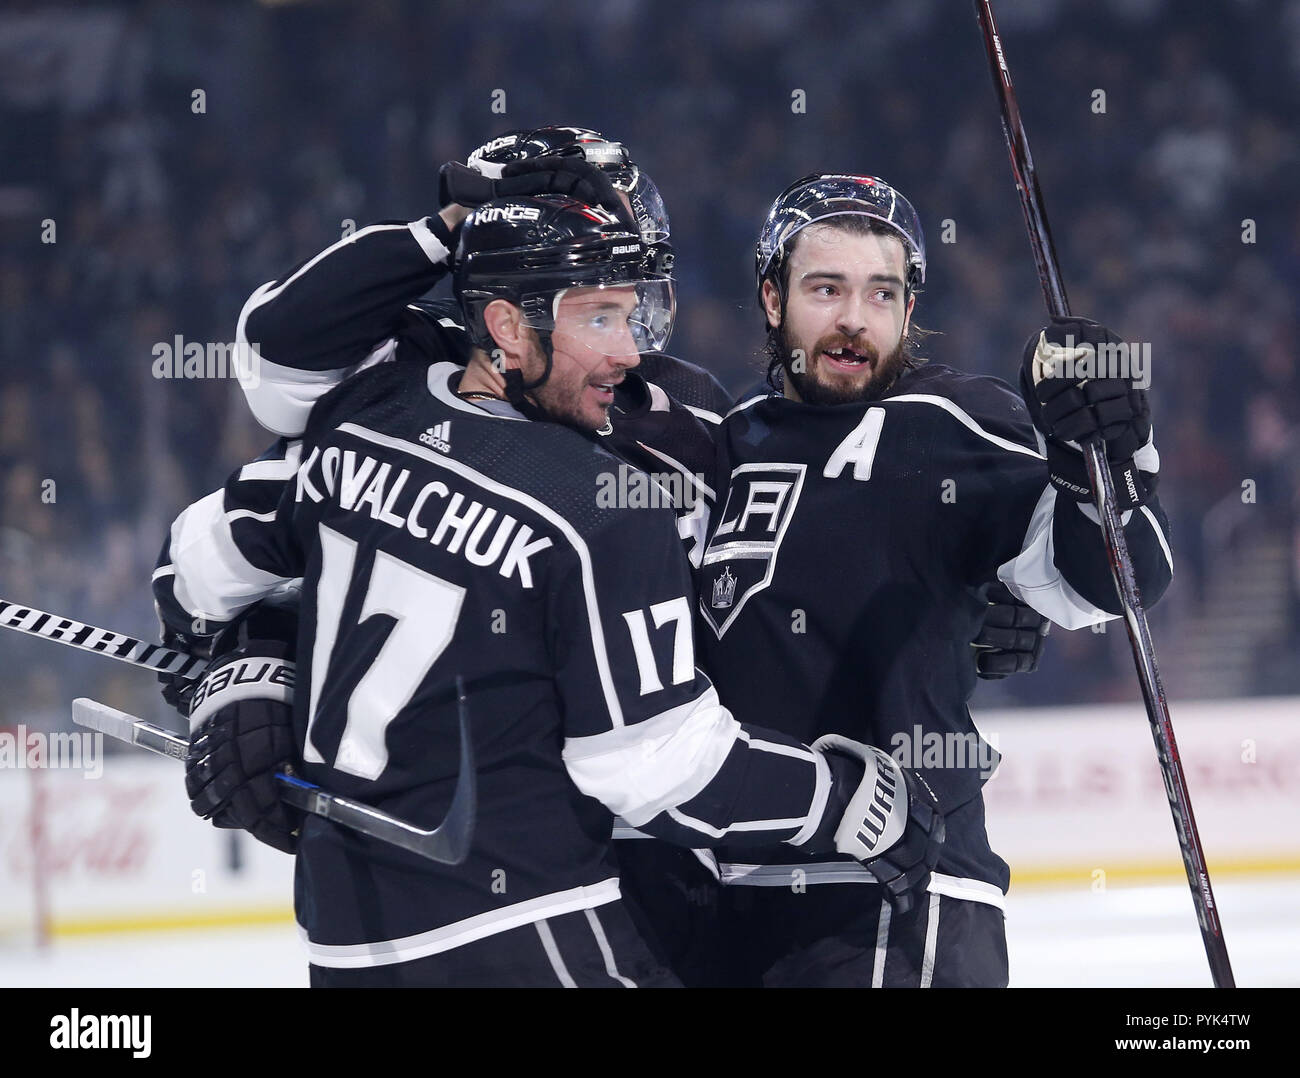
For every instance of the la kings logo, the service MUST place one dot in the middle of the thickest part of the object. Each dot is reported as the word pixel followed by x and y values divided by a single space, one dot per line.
pixel 740 559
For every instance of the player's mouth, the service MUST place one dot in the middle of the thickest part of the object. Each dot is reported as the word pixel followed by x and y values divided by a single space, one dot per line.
pixel 605 390
pixel 847 359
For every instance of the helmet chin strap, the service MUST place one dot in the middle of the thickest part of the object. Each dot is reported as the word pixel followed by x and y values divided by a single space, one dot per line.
pixel 517 388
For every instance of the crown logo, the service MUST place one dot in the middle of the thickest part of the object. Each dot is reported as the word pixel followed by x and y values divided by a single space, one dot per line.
pixel 724 589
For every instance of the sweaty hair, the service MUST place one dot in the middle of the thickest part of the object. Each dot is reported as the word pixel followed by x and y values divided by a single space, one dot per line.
pixel 855 225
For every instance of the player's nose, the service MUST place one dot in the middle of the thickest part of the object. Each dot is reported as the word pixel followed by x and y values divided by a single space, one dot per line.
pixel 625 362
pixel 629 356
pixel 850 316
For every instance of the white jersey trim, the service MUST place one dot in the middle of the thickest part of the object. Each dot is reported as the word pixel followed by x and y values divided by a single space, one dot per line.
pixel 821 794
pixel 277 470
pixel 1155 527
pixel 966 421
pixel 747 403
pixel 212 578
pixel 931 941
pixel 680 468
pixel 1033 577
pixel 439 385
pixel 606 951
pixel 704 413
pixel 882 944
pixel 654 766
pixel 280 397
pixel 249 514
pixel 459 933
pixel 553 954
pixel 429 243
pixel 823 872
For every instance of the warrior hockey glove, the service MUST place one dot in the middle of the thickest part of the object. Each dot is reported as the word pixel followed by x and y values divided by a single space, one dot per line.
pixel 892 824
pixel 241 734
pixel 1078 379
pixel 570 176
pixel 1010 639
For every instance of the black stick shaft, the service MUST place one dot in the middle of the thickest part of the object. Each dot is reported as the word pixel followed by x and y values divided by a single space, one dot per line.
pixel 1135 619
pixel 77 634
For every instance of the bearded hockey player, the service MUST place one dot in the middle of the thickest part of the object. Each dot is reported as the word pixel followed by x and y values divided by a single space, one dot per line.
pixel 444 523
pixel 861 512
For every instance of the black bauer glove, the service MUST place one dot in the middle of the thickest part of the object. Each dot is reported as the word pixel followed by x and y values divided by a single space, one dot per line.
pixel 1078 379
pixel 572 176
pixel 1010 639
pixel 892 824
pixel 241 734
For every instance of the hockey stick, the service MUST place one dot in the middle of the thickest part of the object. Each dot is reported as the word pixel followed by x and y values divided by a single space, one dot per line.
pixel 1121 565
pixel 77 634
pixel 448 843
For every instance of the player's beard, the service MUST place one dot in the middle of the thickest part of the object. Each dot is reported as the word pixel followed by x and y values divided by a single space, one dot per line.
pixel 815 387
pixel 561 396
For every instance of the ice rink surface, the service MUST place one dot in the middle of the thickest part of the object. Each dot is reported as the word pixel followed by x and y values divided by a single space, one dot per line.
pixel 1122 937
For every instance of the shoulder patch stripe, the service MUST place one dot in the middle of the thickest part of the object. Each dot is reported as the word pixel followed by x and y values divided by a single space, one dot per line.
pixel 966 421
pixel 563 526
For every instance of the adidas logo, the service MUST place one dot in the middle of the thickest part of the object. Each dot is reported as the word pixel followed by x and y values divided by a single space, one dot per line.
pixel 438 436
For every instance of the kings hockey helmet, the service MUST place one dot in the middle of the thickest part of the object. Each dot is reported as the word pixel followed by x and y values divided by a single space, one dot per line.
pixel 819 196
pixel 530 251
pixel 613 157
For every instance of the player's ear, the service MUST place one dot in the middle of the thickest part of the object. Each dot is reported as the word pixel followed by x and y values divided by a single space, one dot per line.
pixel 771 304
pixel 505 322
pixel 907 315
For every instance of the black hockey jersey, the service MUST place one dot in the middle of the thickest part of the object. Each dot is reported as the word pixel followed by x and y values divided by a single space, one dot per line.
pixel 840 586
pixel 438 538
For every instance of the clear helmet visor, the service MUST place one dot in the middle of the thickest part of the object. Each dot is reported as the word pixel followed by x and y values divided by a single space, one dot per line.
pixel 646 202
pixel 618 319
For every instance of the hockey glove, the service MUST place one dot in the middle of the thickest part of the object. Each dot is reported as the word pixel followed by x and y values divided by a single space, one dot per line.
pixel 892 824
pixel 1078 379
pixel 1010 639
pixel 241 734
pixel 570 176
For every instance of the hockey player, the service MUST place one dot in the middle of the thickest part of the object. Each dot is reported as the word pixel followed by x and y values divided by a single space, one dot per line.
pixel 860 513
pixel 360 300
pixel 358 303
pixel 444 522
